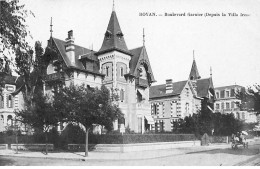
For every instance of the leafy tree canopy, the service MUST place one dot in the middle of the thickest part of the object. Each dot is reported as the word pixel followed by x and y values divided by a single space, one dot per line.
pixel 86 106
pixel 250 98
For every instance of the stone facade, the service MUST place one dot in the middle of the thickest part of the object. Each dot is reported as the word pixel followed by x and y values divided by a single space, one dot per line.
pixel 126 72
pixel 176 100
pixel 226 102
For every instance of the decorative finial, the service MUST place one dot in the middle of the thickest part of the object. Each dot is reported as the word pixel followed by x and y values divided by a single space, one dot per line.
pixel 143 37
pixel 51 27
pixel 193 55
pixel 113 9
pixel 210 71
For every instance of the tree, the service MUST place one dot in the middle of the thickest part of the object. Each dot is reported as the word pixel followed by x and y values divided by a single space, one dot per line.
pixel 13 28
pixel 40 115
pixel 250 98
pixel 86 106
pixel 13 33
pixel 31 70
pixel 37 112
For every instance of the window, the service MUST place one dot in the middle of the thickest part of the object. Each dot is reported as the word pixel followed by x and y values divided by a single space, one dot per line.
pixel 227 93
pixel 217 94
pixel 155 109
pixel 107 68
pixel 161 126
pixel 10 102
pixel 187 109
pixel 1 101
pixel 222 93
pixel 122 95
pixel 217 106
pixel 9 120
pixel 121 71
pixel 227 106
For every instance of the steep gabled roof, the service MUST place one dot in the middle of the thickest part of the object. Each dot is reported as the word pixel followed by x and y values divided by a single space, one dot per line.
pixel 79 51
pixel 194 73
pixel 114 38
pixel 140 55
pixel 203 86
pixel 160 90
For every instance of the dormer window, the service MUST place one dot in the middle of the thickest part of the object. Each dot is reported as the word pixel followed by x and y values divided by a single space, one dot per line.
pixel 119 35
pixel 142 71
pixel 108 34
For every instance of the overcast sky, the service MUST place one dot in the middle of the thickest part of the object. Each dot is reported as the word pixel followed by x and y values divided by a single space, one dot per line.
pixel 230 44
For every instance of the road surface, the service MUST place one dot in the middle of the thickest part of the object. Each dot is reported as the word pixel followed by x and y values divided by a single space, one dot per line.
pixel 224 157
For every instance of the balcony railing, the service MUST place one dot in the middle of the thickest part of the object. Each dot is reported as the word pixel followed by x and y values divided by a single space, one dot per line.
pixel 54 76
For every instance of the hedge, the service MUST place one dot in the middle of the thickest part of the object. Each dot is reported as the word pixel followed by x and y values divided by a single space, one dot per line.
pixel 60 141
pixel 139 138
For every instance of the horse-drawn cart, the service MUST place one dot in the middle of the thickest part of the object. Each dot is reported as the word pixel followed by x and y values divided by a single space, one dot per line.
pixel 239 141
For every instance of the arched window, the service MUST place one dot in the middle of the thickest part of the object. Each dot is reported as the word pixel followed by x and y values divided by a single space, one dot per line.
pixel 9 120
pixel 1 101
pixel 10 101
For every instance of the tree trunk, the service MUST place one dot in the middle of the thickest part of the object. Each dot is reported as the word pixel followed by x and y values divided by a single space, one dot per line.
pixel 86 146
pixel 46 141
pixel 16 140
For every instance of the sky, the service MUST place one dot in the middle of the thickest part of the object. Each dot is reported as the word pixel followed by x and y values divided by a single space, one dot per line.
pixel 229 44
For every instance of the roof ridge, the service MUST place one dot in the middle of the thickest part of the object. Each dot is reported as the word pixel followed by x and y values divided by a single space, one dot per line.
pixel 74 44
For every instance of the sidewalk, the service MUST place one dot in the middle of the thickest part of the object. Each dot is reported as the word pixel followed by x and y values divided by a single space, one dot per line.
pixel 114 156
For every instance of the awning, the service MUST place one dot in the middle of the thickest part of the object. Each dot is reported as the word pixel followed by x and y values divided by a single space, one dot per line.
pixel 149 119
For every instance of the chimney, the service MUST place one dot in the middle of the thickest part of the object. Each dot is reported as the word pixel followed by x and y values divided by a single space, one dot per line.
pixel 169 87
pixel 70 48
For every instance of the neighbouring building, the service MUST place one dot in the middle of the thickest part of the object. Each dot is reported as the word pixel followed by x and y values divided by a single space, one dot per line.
pixel 176 100
pixel 8 102
pixel 227 102
pixel 125 71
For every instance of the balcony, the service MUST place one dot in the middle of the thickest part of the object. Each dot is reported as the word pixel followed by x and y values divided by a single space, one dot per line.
pixel 141 82
pixel 54 76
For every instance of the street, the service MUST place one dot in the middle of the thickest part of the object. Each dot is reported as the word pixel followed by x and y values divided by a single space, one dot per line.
pixel 219 157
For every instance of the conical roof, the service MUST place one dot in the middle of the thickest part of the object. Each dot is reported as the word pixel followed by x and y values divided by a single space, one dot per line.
pixel 194 73
pixel 114 38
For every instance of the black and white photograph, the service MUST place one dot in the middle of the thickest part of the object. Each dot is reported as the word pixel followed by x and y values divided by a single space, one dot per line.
pixel 129 83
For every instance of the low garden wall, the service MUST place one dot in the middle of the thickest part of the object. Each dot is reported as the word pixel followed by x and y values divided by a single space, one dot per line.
pixel 3 146
pixel 33 147
pixel 219 139
pixel 136 142
pixel 133 147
